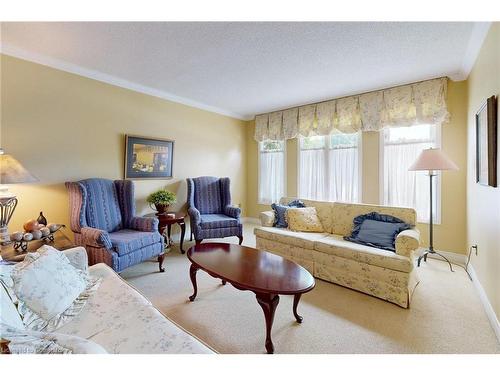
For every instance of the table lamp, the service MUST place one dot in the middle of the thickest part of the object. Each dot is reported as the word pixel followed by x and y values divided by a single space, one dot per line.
pixel 432 160
pixel 11 172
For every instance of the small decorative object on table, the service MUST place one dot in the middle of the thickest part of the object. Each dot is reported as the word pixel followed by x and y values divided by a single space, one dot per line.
pixel 34 231
pixel 161 199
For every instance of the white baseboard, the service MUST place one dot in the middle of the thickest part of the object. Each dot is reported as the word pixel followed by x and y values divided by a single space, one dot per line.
pixel 492 317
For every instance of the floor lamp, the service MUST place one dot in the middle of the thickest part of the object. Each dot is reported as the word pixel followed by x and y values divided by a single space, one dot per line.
pixel 11 172
pixel 432 160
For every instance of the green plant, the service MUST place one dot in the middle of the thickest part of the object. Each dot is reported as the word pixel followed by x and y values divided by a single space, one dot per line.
pixel 162 197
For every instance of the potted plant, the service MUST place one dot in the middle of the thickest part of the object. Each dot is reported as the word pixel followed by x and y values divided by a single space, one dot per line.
pixel 161 200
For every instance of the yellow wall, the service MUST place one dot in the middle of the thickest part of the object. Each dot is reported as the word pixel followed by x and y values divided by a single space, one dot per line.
pixel 64 127
pixel 483 202
pixel 450 234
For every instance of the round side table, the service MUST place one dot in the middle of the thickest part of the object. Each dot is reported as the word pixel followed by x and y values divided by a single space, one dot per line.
pixel 166 222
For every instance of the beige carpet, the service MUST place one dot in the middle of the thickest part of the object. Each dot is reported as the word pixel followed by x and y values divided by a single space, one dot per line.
pixel 446 315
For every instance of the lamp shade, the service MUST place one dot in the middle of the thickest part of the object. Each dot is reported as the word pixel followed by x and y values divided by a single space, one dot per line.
pixel 433 159
pixel 12 172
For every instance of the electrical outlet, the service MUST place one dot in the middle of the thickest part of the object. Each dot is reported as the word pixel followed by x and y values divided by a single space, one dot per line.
pixel 475 248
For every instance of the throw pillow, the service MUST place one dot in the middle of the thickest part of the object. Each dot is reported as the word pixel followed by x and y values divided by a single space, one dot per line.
pixel 303 220
pixel 377 230
pixel 49 290
pixel 280 212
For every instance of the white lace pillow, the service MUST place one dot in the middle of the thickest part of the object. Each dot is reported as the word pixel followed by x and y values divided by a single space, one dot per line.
pixel 49 289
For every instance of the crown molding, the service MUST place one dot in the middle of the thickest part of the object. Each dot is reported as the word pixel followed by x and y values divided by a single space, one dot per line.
pixel 478 35
pixel 113 80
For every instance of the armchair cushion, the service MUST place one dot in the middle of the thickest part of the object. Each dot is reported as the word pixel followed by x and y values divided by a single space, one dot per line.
pixel 126 241
pixel 96 237
pixel 213 221
pixel 232 211
pixel 194 215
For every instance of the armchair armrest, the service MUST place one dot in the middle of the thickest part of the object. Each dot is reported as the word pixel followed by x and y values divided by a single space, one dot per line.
pixel 144 224
pixel 232 211
pixel 267 218
pixel 407 241
pixel 194 215
pixel 77 256
pixel 96 237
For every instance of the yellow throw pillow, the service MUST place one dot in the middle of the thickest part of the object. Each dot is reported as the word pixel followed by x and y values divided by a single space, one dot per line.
pixel 303 220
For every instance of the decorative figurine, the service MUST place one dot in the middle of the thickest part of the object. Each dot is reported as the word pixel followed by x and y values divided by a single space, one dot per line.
pixel 41 219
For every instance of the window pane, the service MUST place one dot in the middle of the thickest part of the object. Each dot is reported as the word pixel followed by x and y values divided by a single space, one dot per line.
pixel 313 178
pixel 311 143
pixel 271 171
pixel 401 186
pixel 271 146
pixel 344 140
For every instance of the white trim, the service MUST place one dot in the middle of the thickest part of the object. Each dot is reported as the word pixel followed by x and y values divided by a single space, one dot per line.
pixel 477 37
pixel 488 309
pixel 113 80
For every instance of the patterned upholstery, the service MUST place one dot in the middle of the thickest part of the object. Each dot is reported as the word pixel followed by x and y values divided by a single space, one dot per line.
pixel 210 210
pixel 102 216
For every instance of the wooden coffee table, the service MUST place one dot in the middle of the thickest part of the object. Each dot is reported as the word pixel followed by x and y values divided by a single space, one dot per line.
pixel 267 275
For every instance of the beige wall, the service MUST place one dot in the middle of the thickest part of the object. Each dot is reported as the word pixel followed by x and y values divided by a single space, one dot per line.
pixel 450 234
pixel 483 202
pixel 65 127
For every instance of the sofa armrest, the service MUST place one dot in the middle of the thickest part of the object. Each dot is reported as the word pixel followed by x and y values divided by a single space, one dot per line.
pixel 267 218
pixel 407 241
pixel 144 224
pixel 194 215
pixel 78 258
pixel 96 237
pixel 232 211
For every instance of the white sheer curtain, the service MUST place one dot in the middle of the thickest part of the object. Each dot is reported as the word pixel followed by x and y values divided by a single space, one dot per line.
pixel 402 146
pixel 329 168
pixel 271 171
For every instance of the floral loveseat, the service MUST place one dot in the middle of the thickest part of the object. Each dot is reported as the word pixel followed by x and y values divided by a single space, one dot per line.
pixel 116 318
pixel 381 273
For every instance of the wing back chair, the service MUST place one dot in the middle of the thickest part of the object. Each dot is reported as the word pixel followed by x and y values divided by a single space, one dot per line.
pixel 102 218
pixel 210 210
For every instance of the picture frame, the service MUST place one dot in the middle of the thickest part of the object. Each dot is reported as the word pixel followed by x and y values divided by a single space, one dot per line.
pixel 486 143
pixel 148 158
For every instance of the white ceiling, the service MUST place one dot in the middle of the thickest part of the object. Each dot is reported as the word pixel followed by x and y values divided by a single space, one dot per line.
pixel 242 69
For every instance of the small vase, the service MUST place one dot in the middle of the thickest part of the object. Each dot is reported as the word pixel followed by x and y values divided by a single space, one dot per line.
pixel 41 219
pixel 161 208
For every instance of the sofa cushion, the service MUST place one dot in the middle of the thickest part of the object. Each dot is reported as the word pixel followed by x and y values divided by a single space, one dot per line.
pixel 344 214
pixel 214 221
pixel 122 320
pixel 9 314
pixel 304 220
pixel 127 240
pixel 323 209
pixel 300 239
pixel 336 245
pixel 280 212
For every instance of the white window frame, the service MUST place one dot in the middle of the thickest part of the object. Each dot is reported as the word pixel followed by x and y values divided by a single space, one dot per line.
pixel 263 202
pixel 360 166
pixel 437 192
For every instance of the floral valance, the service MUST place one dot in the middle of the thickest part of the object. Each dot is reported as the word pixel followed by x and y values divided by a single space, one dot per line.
pixel 413 104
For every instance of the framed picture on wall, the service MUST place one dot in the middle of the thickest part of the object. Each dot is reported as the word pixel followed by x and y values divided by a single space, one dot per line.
pixel 486 143
pixel 148 157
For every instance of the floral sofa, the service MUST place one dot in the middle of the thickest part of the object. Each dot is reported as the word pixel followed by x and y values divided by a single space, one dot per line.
pixel 384 274
pixel 116 318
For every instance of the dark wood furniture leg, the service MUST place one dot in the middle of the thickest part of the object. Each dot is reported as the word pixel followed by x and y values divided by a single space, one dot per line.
pixel 296 299
pixel 161 257
pixel 198 242
pixel 169 230
pixel 182 224
pixel 241 239
pixel 190 235
pixel 268 302
pixel 223 282
pixel 192 274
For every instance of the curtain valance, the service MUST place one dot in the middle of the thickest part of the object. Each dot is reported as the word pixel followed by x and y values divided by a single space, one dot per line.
pixel 413 104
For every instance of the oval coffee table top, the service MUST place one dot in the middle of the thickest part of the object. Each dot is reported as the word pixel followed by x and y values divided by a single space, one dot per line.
pixel 252 269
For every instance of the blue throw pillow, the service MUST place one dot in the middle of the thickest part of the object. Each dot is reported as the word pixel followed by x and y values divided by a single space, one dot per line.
pixel 377 230
pixel 280 211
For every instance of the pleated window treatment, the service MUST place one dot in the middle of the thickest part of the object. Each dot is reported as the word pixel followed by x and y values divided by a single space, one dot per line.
pixel 329 168
pixel 404 188
pixel 408 105
pixel 271 171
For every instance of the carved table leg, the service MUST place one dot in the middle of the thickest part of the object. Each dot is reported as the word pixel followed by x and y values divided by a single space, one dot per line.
pixel 268 302
pixel 296 299
pixel 240 239
pixel 161 257
pixel 192 275
pixel 182 224
pixel 169 230
pixel 223 282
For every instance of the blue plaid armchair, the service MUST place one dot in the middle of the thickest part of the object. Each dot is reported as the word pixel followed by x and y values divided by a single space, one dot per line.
pixel 102 218
pixel 210 210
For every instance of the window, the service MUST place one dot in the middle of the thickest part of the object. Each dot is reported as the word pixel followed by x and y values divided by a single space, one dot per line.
pixel 401 147
pixel 271 171
pixel 329 168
